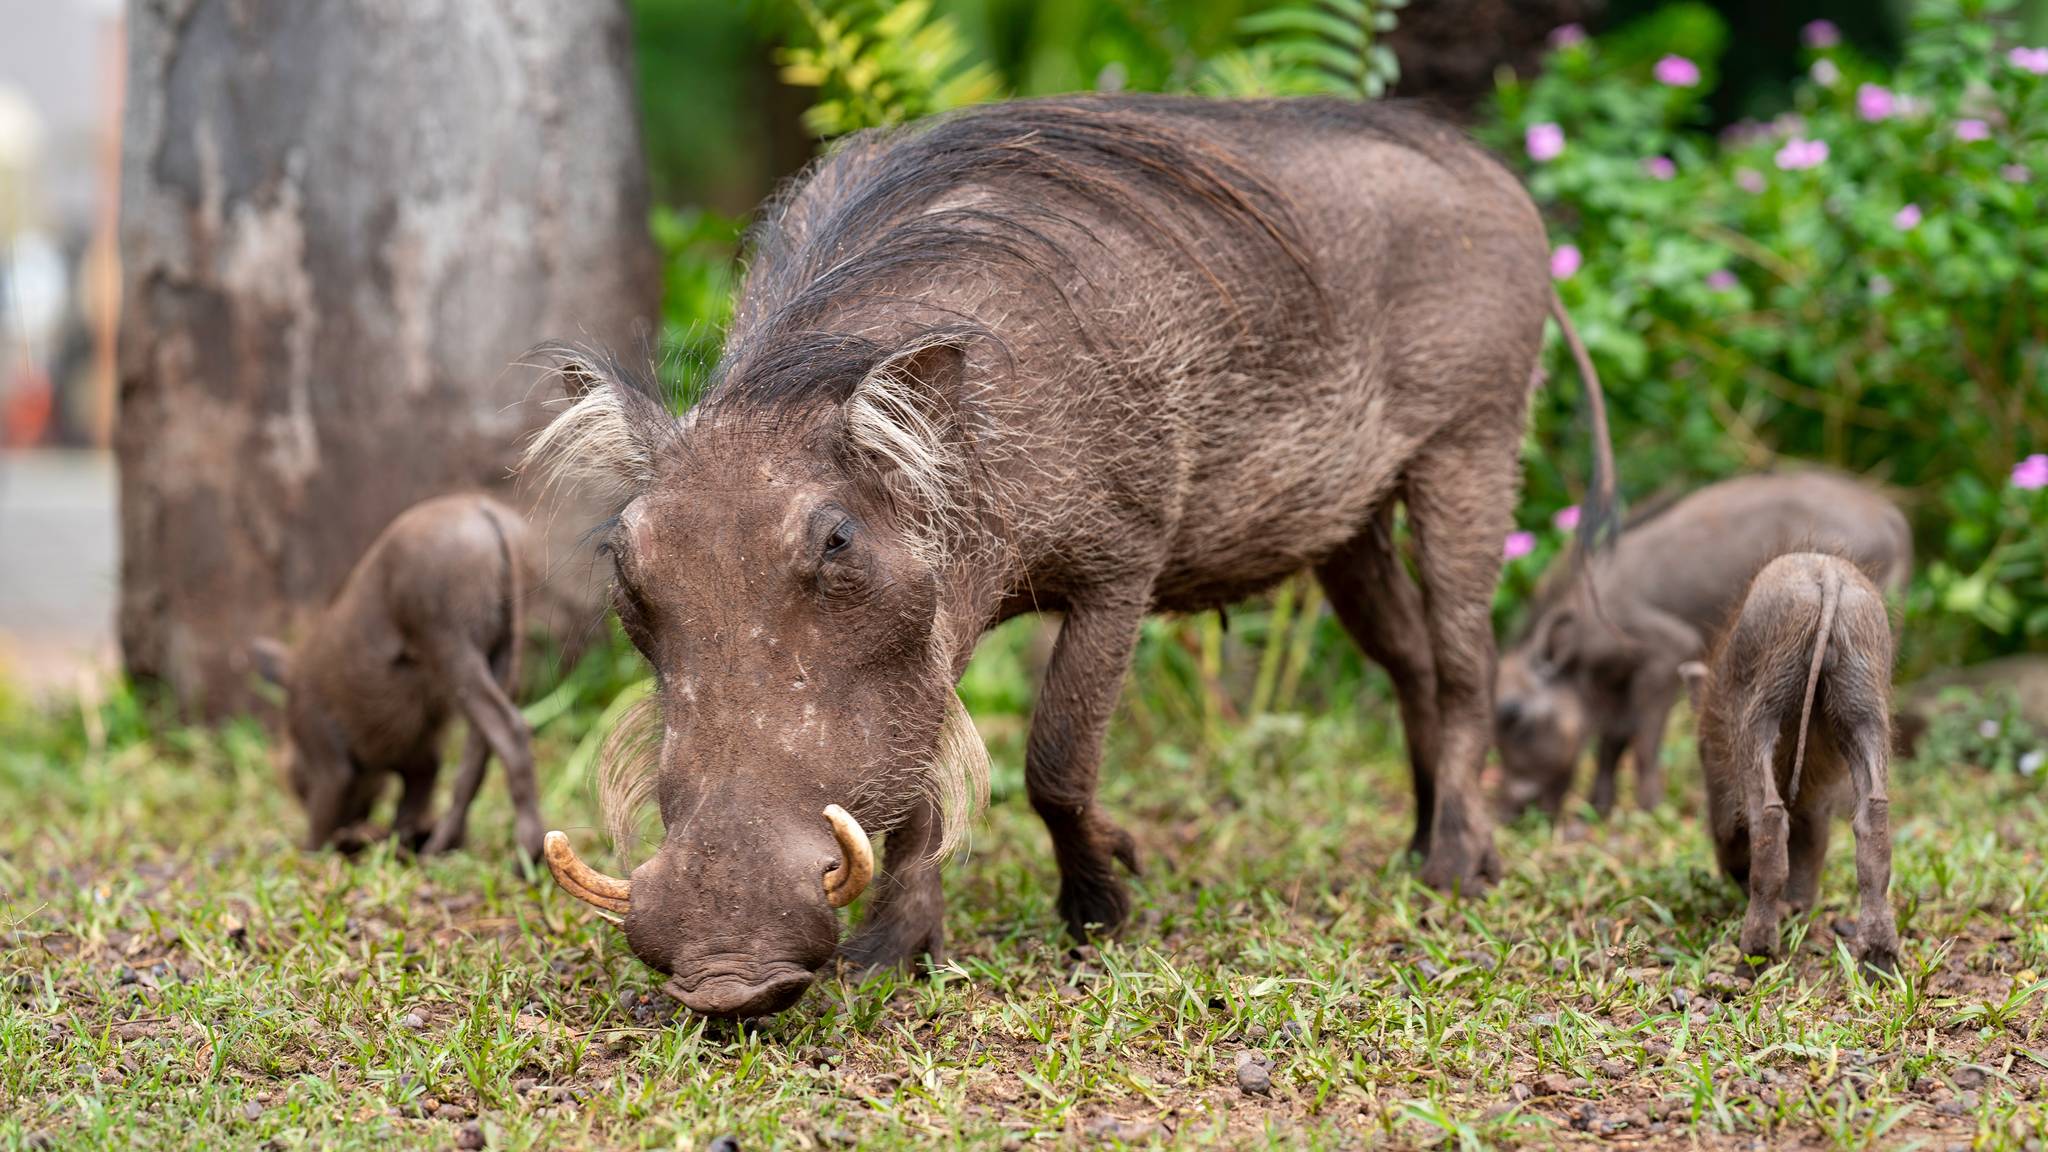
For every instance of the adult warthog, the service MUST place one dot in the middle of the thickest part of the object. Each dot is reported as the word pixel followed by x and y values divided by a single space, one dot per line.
pixel 1094 356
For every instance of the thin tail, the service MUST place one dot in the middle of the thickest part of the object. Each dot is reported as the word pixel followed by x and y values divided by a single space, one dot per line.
pixel 1597 515
pixel 1830 597
pixel 515 599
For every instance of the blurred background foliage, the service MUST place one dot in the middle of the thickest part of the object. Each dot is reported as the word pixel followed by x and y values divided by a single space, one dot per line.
pixel 1789 232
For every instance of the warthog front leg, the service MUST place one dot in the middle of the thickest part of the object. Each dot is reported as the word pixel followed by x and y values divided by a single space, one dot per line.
pixel 1061 763
pixel 453 828
pixel 906 916
pixel 1653 690
pixel 1769 829
pixel 1808 853
pixel 414 823
pixel 1607 772
pixel 1382 610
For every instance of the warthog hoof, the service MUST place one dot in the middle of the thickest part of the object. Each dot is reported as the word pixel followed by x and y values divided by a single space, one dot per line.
pixel 1468 864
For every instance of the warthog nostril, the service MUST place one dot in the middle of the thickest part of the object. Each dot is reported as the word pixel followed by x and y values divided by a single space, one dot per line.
pixel 1508 712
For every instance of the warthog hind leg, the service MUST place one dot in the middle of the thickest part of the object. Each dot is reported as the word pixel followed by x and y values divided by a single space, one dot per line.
pixel 1382 610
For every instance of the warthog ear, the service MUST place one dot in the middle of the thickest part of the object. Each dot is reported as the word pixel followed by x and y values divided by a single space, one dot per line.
pixel 903 419
pixel 611 432
pixel 1557 643
pixel 1696 677
pixel 272 659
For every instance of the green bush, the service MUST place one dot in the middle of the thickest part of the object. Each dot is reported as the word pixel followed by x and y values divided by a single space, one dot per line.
pixel 1858 282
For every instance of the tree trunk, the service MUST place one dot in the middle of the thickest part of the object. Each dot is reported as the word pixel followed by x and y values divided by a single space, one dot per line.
pixel 1449 49
pixel 341 224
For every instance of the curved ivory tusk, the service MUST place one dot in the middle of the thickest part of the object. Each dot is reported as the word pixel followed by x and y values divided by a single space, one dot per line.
pixel 857 858
pixel 581 880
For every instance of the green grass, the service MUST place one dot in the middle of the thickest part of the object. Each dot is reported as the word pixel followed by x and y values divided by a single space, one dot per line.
pixel 173 972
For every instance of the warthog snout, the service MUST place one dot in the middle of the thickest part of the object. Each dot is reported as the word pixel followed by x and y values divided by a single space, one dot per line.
pixel 1539 725
pixel 754 962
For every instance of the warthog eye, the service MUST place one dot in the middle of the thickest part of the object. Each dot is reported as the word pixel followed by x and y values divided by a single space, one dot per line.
pixel 840 536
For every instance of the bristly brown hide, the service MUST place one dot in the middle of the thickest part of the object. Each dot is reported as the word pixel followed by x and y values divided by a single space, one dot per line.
pixel 1093 356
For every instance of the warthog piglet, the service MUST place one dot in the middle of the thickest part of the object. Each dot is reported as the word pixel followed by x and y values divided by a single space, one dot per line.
pixel 1794 728
pixel 427 625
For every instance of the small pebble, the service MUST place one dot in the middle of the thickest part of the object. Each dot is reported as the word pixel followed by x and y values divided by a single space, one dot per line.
pixel 470 1137
pixel 413 1020
pixel 723 1144
pixel 1721 984
pixel 252 1111
pixel 1254 1076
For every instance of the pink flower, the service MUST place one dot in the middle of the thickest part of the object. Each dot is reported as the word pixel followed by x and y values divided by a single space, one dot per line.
pixel 1566 518
pixel 1907 218
pixel 1821 34
pixel 1677 72
pixel 1567 35
pixel 2033 60
pixel 1544 141
pixel 1874 102
pixel 1721 280
pixel 1660 167
pixel 1825 72
pixel 1971 131
pixel 1564 261
pixel 2031 474
pixel 1517 545
pixel 2015 173
pixel 1799 154
pixel 1750 180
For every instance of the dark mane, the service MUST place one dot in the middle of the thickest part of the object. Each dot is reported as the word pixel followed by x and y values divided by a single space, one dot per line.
pixel 1044 176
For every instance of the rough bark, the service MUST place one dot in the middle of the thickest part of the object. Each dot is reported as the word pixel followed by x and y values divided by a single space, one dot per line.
pixel 341 224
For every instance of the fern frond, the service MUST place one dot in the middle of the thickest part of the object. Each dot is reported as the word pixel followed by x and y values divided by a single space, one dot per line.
pixel 1310 46
pixel 876 63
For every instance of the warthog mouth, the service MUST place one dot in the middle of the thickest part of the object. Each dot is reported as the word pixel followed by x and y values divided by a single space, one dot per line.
pixel 777 987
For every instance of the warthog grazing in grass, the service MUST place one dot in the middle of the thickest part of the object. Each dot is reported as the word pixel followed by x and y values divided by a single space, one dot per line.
pixel 1795 728
pixel 1606 665
pixel 1099 356
pixel 428 625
